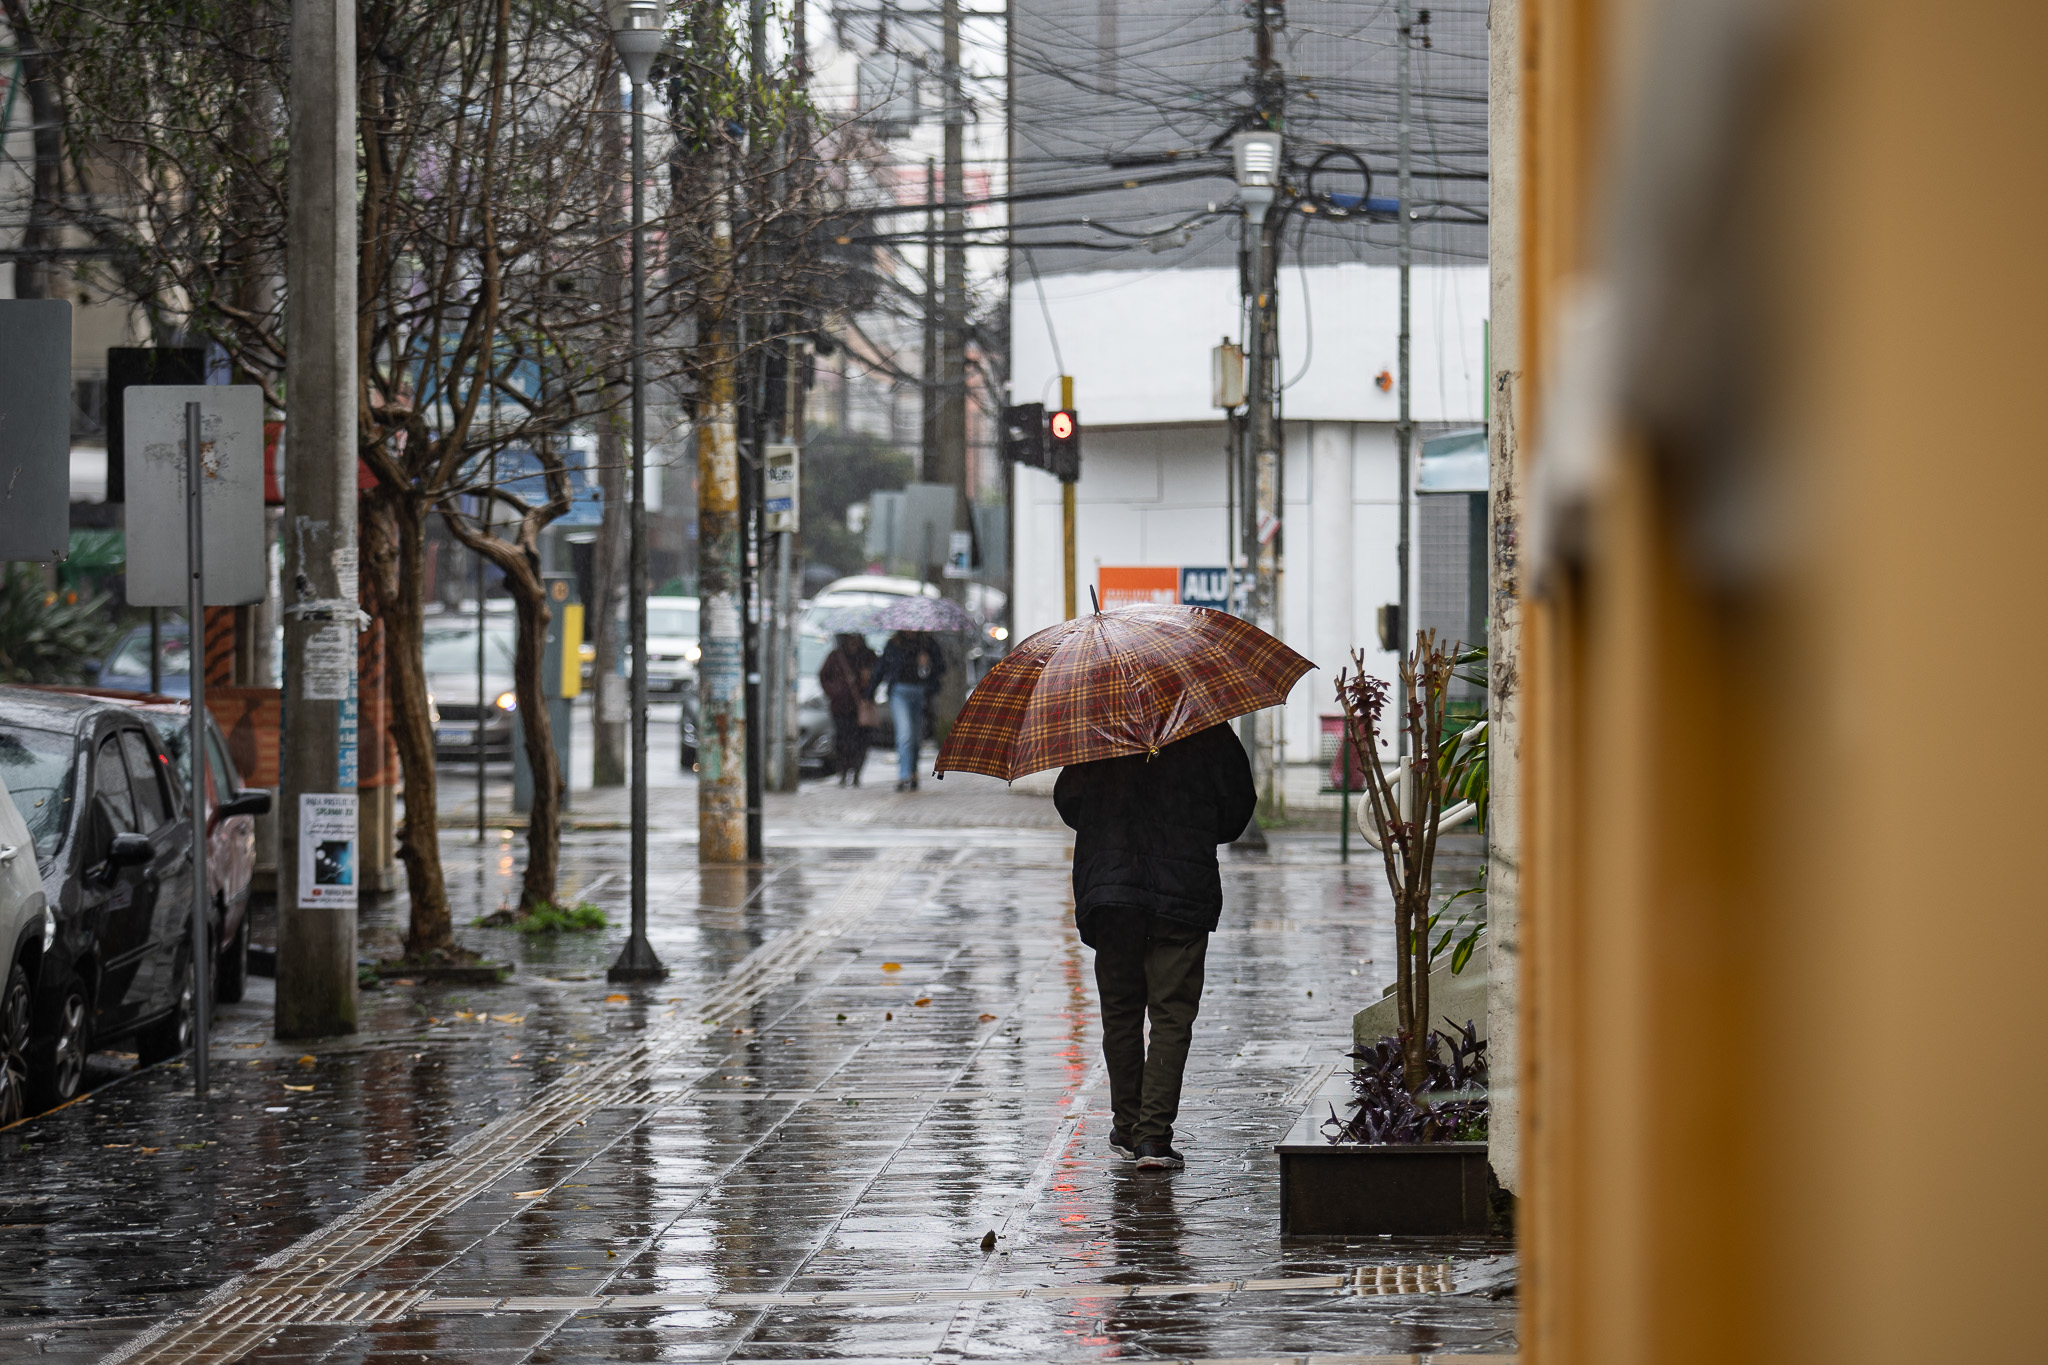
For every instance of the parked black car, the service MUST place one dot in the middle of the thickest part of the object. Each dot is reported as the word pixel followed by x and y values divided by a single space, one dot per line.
pixel 114 845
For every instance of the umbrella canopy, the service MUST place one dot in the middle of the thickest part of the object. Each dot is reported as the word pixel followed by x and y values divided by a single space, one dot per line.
pixel 903 613
pixel 1128 681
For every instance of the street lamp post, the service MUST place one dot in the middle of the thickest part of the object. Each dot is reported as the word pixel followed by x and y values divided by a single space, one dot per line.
pixel 638 32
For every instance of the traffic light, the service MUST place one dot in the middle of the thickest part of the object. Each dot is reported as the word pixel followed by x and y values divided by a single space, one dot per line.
pixel 1024 434
pixel 1063 445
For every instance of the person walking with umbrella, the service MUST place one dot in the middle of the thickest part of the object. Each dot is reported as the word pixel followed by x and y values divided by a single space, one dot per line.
pixel 847 676
pixel 912 666
pixel 1131 704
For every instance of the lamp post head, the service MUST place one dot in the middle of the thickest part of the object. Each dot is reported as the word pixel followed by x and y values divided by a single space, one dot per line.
pixel 639 28
pixel 1255 158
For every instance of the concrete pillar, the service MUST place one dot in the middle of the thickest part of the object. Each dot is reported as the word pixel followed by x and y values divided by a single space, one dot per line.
pixel 316 934
pixel 1504 613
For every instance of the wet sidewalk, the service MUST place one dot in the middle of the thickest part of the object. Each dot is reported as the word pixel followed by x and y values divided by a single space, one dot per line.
pixel 864 1119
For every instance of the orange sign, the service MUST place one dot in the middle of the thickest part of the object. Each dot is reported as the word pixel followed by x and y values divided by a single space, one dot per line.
pixel 1125 586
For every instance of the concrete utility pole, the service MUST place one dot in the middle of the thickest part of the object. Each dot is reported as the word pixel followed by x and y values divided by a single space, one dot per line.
pixel 952 424
pixel 1404 427
pixel 316 938
pixel 1260 164
pixel 928 371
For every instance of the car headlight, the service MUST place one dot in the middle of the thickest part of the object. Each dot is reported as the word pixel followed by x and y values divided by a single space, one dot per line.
pixel 507 701
pixel 692 653
pixel 999 632
pixel 433 711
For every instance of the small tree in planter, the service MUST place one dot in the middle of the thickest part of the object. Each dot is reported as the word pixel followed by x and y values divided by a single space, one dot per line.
pixel 1405 812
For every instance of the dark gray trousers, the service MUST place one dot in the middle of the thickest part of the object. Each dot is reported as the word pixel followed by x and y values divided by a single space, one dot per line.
pixel 1146 965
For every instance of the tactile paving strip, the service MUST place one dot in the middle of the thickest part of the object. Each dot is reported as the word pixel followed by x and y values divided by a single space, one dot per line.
pixel 304 1278
pixel 1379 1279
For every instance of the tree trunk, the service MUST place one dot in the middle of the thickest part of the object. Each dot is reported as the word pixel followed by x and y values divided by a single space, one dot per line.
pixel 608 719
pixel 394 548
pixel 520 562
pixel 608 723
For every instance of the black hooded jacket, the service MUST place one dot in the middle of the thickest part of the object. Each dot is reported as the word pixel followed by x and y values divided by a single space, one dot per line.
pixel 1147 826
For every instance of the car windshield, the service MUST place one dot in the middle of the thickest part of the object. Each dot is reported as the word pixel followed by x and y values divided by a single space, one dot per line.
pixel 36 765
pixel 132 659
pixel 454 650
pixel 672 621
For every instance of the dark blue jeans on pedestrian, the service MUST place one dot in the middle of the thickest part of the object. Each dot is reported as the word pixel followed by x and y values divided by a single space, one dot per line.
pixel 906 708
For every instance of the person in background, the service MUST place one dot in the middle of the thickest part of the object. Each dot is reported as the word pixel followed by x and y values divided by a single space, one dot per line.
pixel 912 666
pixel 1147 895
pixel 847 677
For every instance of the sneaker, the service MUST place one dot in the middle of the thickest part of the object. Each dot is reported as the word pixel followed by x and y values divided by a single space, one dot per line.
pixel 1120 1143
pixel 1159 1156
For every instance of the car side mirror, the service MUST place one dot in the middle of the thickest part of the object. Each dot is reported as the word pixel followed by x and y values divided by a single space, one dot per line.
pixel 130 850
pixel 255 801
pixel 91 669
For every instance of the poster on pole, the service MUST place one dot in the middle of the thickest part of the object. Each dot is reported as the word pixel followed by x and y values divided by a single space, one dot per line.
pixel 231 456
pixel 35 429
pixel 327 849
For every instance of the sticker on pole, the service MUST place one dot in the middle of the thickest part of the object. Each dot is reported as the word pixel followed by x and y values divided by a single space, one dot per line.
pixel 327 849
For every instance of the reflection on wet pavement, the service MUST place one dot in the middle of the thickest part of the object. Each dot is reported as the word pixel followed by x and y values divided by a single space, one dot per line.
pixel 873 1076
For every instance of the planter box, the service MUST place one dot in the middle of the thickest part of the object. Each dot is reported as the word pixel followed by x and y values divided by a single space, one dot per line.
pixel 1351 1190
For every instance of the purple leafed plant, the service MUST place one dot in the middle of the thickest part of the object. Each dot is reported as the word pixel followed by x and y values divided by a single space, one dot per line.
pixel 1383 1111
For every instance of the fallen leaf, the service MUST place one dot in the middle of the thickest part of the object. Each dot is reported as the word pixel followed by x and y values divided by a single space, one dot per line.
pixel 151 1151
pixel 528 1194
pixel 299 1087
pixel 888 1014
pixel 111 1145
pixel 248 1045
pixel 516 1056
pixel 892 966
pixel 988 1018
pixel 508 1018
pixel 309 1060
pixel 922 1001
pixel 617 999
pixel 403 981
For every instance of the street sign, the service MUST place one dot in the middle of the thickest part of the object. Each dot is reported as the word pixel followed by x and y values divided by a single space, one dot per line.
pixel 1205 588
pixel 1129 585
pixel 779 470
pixel 131 367
pixel 35 429
pixel 231 447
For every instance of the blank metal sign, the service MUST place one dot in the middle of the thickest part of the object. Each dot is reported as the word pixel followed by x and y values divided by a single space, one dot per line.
pixel 35 429
pixel 231 455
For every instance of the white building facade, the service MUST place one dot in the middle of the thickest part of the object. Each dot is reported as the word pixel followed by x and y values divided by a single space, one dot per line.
pixel 1152 489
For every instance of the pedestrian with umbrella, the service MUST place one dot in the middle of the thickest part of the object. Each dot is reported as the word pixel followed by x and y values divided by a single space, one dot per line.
pixel 847 678
pixel 1132 704
pixel 912 663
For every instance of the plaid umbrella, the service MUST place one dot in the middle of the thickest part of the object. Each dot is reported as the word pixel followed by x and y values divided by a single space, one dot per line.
pixel 1128 681
pixel 904 613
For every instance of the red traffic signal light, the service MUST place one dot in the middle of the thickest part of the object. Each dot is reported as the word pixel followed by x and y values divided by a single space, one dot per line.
pixel 1063 451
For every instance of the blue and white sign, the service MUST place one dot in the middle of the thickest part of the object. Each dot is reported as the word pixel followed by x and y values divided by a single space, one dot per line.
pixel 1205 588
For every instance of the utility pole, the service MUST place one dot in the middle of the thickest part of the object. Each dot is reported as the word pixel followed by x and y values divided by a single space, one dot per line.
pixel 928 373
pixel 1260 161
pixel 1404 426
pixel 316 936
pixel 757 350
pixel 721 715
pixel 952 425
pixel 1067 515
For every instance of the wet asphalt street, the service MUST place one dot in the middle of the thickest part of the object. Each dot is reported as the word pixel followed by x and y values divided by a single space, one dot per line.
pixel 864 1119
